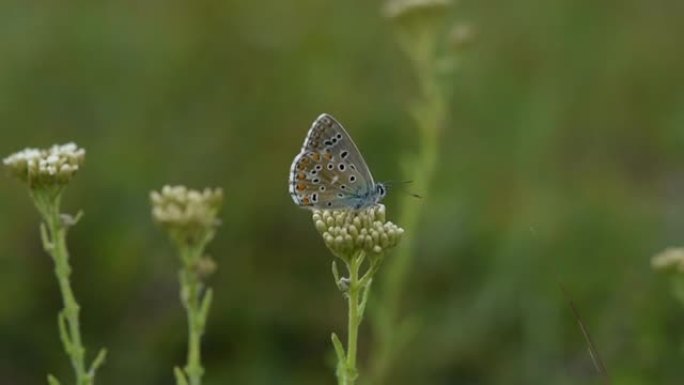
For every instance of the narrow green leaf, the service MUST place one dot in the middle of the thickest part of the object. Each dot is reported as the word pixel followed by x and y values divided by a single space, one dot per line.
pixel 364 298
pixel 180 377
pixel 340 371
pixel 98 361
pixel 206 304
pixel 52 380
pixel 339 349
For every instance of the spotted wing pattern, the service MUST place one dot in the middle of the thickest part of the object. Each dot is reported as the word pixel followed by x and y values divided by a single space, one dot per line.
pixel 329 172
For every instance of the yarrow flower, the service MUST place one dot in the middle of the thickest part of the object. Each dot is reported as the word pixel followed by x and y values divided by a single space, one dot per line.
pixel 345 232
pixel 355 237
pixel 54 166
pixel 190 218
pixel 188 215
pixel 671 259
pixel 47 172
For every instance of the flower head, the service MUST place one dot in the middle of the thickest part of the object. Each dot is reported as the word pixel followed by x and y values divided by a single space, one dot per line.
pixel 671 259
pixel 345 232
pixel 54 166
pixel 190 216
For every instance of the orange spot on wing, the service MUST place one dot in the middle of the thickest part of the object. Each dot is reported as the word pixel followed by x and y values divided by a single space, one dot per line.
pixel 300 186
pixel 301 176
pixel 316 156
pixel 306 200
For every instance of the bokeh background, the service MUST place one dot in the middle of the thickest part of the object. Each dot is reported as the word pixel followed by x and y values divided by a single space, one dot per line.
pixel 561 163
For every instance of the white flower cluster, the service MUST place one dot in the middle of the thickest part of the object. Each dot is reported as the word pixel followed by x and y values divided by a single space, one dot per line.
pixel 189 215
pixel 346 232
pixel 399 8
pixel 55 165
pixel 671 258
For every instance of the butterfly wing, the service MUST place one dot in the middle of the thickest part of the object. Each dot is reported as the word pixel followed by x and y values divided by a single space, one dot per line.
pixel 329 172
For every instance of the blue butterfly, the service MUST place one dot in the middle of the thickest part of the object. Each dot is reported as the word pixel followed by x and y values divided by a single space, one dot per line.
pixel 330 173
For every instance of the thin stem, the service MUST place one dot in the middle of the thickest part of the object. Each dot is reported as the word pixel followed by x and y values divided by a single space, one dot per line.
pixel 356 294
pixel 353 322
pixel 193 298
pixel 429 113
pixel 54 242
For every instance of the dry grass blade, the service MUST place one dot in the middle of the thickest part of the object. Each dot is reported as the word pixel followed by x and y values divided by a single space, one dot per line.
pixel 593 353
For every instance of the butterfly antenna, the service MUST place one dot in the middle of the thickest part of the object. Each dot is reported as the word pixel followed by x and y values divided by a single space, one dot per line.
pixel 405 191
pixel 593 353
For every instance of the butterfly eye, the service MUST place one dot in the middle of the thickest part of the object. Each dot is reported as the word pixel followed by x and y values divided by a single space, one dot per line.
pixel 315 181
pixel 314 197
pixel 319 167
pixel 352 178
pixel 339 136
pixel 381 190
pixel 343 187
pixel 322 188
pixel 329 204
pixel 341 166
pixel 330 166
pixel 344 154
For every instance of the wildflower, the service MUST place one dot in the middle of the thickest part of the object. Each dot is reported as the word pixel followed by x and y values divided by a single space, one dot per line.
pixel 345 232
pixel 188 215
pixel 190 218
pixel 671 259
pixel 54 166
pixel 47 172
pixel 354 236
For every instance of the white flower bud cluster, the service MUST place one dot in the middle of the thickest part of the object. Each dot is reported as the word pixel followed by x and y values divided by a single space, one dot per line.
pixel 400 8
pixel 53 166
pixel 186 213
pixel 346 232
pixel 671 259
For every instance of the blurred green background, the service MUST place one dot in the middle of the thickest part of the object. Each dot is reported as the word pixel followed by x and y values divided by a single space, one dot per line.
pixel 562 162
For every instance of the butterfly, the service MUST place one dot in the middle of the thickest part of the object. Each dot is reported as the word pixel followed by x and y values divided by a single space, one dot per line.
pixel 330 173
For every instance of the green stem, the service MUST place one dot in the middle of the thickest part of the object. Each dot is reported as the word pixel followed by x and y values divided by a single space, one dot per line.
pixel 353 322
pixel 196 303
pixel 54 242
pixel 356 294
pixel 429 113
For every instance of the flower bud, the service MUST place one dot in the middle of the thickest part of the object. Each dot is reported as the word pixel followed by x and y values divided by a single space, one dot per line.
pixel 188 215
pixel 346 232
pixel 55 166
